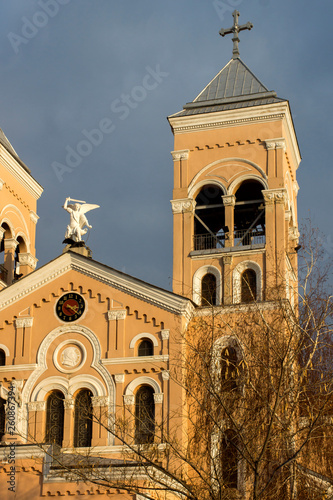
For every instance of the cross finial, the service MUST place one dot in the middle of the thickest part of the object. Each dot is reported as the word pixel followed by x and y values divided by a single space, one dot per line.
pixel 235 31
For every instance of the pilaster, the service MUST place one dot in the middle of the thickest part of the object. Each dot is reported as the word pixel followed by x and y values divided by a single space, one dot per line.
pixel 100 420
pixel 22 352
pixel 68 438
pixel 116 340
pixel 9 262
pixel 229 209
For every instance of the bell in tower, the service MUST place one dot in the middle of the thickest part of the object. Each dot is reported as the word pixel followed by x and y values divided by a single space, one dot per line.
pixel 234 200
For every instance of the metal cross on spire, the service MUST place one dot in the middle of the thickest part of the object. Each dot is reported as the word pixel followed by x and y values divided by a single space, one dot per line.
pixel 235 31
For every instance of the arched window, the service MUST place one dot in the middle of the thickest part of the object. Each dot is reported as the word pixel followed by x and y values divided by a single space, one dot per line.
pixel 55 418
pixel 2 357
pixel 2 418
pixel 229 369
pixel 209 220
pixel 146 348
pixel 83 415
pixel 208 290
pixel 248 286
pixel 229 459
pixel 249 214
pixel 144 415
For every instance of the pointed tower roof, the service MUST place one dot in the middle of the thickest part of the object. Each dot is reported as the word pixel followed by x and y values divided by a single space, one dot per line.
pixel 235 86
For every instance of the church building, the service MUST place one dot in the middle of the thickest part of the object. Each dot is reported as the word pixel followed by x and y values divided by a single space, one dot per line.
pixel 79 338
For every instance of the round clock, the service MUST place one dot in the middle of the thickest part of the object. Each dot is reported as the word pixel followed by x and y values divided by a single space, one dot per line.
pixel 70 307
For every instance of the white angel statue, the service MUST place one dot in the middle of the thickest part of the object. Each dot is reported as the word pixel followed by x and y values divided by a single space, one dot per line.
pixel 78 220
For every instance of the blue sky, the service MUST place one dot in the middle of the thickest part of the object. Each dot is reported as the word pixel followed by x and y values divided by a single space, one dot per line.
pixel 67 65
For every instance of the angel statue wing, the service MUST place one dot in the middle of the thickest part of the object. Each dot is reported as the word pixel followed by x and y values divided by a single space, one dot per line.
pixel 86 207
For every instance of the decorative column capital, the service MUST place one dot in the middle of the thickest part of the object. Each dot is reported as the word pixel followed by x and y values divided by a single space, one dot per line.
pixel 279 143
pixel 275 196
pixel 2 232
pixel 119 378
pixel 165 374
pixel 129 399
pixel 27 259
pixel 293 233
pixel 183 205
pixel 229 200
pixel 158 398
pixel 182 154
pixel 99 401
pixel 165 334
pixel 33 216
pixel 116 314
pixel 24 322
pixel 37 406
pixel 10 244
pixel 69 404
pixel 227 260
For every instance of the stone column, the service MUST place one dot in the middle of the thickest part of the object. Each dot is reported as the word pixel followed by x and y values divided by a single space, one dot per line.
pixel 281 197
pixel 100 420
pixel 10 247
pixel 270 235
pixel 23 340
pixel 120 381
pixel 227 280
pixel 37 420
pixel 182 210
pixel 158 400
pixel 116 319
pixel 180 161
pixel 165 334
pixel 68 439
pixel 129 403
pixel 229 201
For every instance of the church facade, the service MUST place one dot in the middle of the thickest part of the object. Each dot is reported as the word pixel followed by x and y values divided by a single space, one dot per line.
pixel 78 338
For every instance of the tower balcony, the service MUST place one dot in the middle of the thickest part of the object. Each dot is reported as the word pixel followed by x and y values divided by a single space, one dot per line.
pixel 241 240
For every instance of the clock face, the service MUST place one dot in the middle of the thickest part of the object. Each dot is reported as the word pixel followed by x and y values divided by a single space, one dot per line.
pixel 70 307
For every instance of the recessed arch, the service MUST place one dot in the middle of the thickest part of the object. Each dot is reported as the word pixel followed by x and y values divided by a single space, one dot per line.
pixel 197 280
pixel 249 177
pixel 143 336
pixel 132 386
pixel 5 349
pixel 196 188
pixel 237 280
pixel 194 182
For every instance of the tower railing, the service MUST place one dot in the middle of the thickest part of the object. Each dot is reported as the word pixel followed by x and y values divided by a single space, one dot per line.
pixel 243 237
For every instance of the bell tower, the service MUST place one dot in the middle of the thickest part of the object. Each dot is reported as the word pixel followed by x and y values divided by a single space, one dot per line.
pixel 235 191
pixel 18 217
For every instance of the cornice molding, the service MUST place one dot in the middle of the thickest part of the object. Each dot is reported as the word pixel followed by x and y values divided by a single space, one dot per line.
pixel 239 117
pixel 17 171
pixel 162 299
pixel 18 368
pixel 158 358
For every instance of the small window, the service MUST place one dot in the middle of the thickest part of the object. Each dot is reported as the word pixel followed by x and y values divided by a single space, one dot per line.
pixel 249 286
pixel 229 459
pixel 144 415
pixel 208 290
pixel 229 369
pixel 146 348
pixel 2 357
pixel 83 416
pixel 55 418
